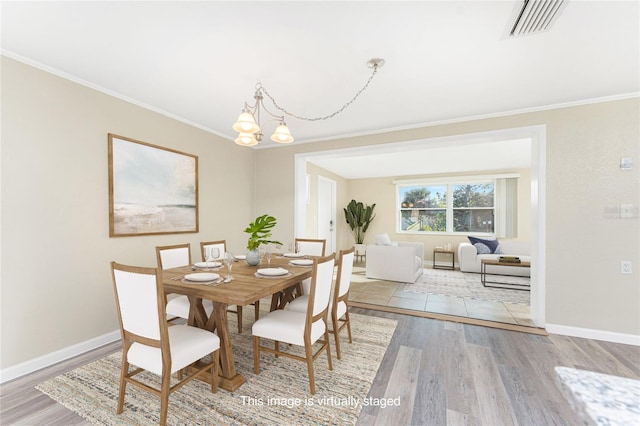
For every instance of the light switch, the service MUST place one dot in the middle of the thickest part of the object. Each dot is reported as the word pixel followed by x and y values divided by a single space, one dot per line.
pixel 626 163
pixel 626 211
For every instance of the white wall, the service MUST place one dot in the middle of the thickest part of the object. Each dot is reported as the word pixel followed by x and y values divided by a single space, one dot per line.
pixel 55 277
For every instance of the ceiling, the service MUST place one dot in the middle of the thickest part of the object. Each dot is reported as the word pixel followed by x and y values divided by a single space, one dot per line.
pixel 444 61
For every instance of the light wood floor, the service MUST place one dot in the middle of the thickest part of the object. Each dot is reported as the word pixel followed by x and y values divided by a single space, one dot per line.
pixel 444 373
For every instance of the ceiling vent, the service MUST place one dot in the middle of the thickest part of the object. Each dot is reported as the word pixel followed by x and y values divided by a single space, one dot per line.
pixel 536 16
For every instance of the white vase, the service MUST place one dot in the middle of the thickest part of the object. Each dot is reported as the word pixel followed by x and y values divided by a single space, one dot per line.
pixel 360 249
pixel 253 257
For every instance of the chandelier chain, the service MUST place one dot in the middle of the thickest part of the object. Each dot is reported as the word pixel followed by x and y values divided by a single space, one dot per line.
pixel 326 117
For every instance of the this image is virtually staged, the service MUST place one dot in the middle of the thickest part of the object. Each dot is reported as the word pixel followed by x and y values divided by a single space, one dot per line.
pixel 320 213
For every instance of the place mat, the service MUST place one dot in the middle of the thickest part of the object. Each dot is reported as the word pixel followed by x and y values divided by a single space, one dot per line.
pixel 278 395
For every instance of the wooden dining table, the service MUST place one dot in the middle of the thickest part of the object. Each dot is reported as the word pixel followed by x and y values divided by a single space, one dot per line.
pixel 244 289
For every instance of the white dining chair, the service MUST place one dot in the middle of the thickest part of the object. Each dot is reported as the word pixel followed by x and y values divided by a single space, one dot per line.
pixel 221 245
pixel 174 256
pixel 339 305
pixel 150 344
pixel 300 328
pixel 309 247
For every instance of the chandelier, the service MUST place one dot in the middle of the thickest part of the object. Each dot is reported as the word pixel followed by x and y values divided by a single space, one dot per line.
pixel 248 123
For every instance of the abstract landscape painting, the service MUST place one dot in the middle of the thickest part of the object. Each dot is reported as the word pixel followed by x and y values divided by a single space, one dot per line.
pixel 152 190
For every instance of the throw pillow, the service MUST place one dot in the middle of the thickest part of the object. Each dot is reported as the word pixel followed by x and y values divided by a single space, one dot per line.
pixel 482 248
pixel 383 239
pixel 491 243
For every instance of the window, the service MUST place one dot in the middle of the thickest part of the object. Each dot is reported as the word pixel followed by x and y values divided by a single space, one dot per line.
pixel 473 207
pixel 423 208
pixel 461 205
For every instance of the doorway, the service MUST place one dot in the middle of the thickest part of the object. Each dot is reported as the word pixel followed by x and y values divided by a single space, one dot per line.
pixel 537 136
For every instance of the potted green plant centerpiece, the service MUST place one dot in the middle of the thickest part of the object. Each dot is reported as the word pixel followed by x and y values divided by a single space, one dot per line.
pixel 359 216
pixel 259 232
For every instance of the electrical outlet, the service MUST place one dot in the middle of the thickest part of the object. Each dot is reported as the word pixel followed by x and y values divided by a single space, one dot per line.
pixel 625 267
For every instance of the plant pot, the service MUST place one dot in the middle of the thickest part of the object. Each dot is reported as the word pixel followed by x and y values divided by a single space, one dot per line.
pixel 253 257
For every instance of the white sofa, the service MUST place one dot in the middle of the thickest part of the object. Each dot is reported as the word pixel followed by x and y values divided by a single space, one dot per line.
pixel 470 261
pixel 403 262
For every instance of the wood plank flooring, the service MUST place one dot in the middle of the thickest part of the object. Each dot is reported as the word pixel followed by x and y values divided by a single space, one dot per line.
pixel 444 373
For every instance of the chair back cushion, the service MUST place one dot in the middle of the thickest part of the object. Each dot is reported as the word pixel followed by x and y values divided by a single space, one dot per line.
pixel 323 275
pixel 137 296
pixel 311 248
pixel 174 257
pixel 346 269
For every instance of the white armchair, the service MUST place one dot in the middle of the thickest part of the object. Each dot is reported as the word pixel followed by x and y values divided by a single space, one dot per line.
pixel 403 262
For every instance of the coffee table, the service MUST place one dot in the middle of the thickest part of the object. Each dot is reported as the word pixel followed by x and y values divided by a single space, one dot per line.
pixel 512 286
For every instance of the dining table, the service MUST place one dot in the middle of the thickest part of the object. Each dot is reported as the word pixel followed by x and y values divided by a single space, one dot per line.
pixel 246 287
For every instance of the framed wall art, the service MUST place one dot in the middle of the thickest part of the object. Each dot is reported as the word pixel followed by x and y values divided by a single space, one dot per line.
pixel 152 190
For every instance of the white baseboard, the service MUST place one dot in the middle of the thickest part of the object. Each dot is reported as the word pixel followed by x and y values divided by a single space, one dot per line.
pixel 52 358
pixel 607 336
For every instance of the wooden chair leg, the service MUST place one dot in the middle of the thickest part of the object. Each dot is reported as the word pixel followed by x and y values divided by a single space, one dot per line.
pixel 346 317
pixel 275 301
pixel 123 384
pixel 256 354
pixel 256 307
pixel 276 346
pixel 312 384
pixel 328 347
pixel 164 398
pixel 336 334
pixel 239 308
pixel 215 356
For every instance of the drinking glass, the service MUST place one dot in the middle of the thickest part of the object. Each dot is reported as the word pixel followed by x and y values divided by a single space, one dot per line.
pixel 229 259
pixel 269 252
pixel 261 251
pixel 212 254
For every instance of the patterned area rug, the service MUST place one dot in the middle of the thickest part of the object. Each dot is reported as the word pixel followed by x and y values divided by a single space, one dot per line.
pixel 461 284
pixel 278 395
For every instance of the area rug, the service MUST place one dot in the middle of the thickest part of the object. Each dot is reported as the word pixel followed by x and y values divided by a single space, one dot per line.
pixel 461 284
pixel 278 395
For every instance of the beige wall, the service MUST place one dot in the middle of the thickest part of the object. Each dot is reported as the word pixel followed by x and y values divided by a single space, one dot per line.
pixel 585 239
pixel 55 277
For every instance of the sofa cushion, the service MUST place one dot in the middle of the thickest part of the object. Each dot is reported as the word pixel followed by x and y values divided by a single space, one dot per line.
pixel 490 243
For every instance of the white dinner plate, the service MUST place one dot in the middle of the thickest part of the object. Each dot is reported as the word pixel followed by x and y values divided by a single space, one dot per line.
pixel 202 276
pixel 241 256
pixel 293 255
pixel 273 272
pixel 207 264
pixel 301 262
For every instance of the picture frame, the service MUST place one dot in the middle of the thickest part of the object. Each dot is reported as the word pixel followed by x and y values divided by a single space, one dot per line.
pixel 152 190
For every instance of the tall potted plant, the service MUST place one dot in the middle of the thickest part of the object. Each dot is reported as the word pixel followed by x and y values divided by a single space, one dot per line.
pixel 359 216
pixel 259 232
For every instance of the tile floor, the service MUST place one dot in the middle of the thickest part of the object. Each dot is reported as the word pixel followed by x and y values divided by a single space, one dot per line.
pixel 391 294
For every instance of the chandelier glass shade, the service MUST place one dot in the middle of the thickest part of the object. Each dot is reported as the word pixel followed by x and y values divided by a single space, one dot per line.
pixel 248 123
pixel 249 131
